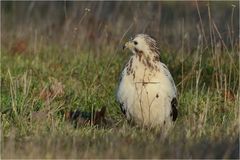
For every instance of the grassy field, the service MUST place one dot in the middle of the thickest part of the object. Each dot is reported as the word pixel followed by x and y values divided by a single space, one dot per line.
pixel 60 58
pixel 36 91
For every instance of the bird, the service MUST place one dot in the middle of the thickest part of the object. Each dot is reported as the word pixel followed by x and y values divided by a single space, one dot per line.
pixel 146 92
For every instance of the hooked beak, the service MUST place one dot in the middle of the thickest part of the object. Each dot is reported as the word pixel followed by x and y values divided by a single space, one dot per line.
pixel 127 45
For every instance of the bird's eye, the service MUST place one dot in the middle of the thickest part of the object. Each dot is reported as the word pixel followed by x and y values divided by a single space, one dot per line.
pixel 135 42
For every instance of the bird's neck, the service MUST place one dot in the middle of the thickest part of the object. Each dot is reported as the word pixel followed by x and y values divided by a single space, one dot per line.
pixel 148 59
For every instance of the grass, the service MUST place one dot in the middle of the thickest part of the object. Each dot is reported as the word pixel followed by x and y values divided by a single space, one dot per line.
pixel 66 57
pixel 36 89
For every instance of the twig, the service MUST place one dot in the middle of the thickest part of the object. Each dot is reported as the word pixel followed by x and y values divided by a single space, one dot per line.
pixel 232 61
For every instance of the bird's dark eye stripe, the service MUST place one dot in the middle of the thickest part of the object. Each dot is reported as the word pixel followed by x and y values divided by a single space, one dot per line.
pixel 135 42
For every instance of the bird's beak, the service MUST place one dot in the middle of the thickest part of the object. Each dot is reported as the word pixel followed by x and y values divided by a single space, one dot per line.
pixel 127 45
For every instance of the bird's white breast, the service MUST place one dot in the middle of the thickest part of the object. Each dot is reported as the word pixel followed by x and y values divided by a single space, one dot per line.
pixel 146 93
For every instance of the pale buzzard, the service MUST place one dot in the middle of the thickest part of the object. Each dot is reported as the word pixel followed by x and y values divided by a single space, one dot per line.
pixel 146 92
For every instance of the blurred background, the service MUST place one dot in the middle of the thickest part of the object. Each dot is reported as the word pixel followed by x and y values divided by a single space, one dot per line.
pixel 62 56
pixel 178 26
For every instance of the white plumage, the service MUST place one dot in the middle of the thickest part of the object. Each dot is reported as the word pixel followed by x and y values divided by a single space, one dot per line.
pixel 146 92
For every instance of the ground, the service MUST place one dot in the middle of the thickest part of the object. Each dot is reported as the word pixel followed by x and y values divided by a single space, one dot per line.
pixel 38 89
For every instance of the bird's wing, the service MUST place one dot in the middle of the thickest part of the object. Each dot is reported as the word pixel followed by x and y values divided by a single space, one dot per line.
pixel 169 77
pixel 174 112
pixel 173 91
pixel 120 98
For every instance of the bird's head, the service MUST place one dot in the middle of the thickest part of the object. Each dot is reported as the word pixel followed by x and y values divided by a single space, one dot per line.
pixel 142 43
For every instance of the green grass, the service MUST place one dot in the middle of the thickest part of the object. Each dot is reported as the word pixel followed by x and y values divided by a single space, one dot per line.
pixel 35 127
